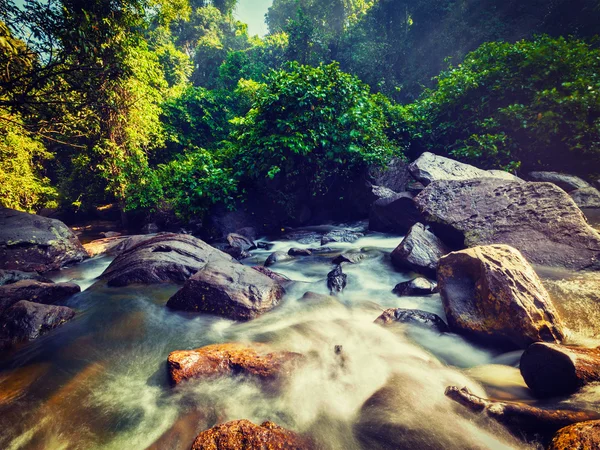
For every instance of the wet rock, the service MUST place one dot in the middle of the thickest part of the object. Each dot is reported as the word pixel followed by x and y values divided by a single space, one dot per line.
pixel 12 276
pixel 16 382
pixel 277 257
pixel 580 436
pixel 420 250
pixel 319 299
pixel 110 234
pixel 493 293
pixel 564 181
pixel 36 244
pixel 552 370
pixel 303 236
pixel 114 246
pixel 413 317
pixel 538 219
pixel 279 278
pixel 586 197
pixel 299 251
pixel 415 287
pixel 393 176
pixel 35 291
pixel 241 242
pixel 165 258
pixel 341 236
pixel 520 418
pixel 150 228
pixel 349 258
pixel 235 252
pixel 429 168
pixel 25 321
pixel 230 359
pixel 228 289
pixel 244 435
pixel 336 280
pixel 395 214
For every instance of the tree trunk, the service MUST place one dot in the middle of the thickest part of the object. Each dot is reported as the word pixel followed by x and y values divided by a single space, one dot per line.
pixel 552 370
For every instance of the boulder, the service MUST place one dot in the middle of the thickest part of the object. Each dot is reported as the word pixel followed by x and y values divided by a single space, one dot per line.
pixel 586 197
pixel 228 359
pixel 279 278
pixel 349 258
pixel 491 292
pixel 538 219
pixel 552 370
pixel 580 436
pixel 415 287
pixel 564 181
pixel 36 244
pixel 520 418
pixel 165 258
pixel 341 236
pixel 244 435
pixel 114 246
pixel 25 321
pixel 394 176
pixel 502 174
pixel 242 242
pixel 12 276
pixel 394 214
pixel 302 236
pixel 228 289
pixel 413 317
pixel 429 168
pixel 150 228
pixel 35 291
pixel 420 251
pixel 277 257
pixel 336 280
pixel 294 251
pixel 381 192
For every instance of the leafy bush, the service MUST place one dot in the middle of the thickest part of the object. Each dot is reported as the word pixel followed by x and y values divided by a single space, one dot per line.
pixel 311 129
pixel 534 104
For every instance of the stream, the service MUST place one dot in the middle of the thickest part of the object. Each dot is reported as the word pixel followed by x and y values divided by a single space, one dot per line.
pixel 100 381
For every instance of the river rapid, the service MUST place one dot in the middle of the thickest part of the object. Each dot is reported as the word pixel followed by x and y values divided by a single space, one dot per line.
pixel 100 381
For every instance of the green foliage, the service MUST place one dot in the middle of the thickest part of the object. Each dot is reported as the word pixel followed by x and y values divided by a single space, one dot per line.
pixel 314 128
pixel 532 103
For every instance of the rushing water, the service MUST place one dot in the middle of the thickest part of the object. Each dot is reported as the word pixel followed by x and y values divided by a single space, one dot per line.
pixel 100 381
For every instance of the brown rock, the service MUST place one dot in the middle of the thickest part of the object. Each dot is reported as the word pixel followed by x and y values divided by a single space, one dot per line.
pixel 35 291
pixel 492 292
pixel 36 244
pixel 230 359
pixel 244 435
pixel 413 317
pixel 580 436
pixel 538 219
pixel 551 370
pixel 114 246
pixel 281 279
pixel 228 289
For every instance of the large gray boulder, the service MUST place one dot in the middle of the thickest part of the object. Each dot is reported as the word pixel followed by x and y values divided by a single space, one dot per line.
pixel 394 176
pixel 564 181
pixel 394 213
pixel 229 289
pixel 420 251
pixel 586 197
pixel 429 168
pixel 36 244
pixel 491 292
pixel 165 258
pixel 538 219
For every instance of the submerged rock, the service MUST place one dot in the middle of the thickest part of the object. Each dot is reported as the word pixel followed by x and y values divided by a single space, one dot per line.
pixel 413 317
pixel 25 321
pixel 341 236
pixel 336 280
pixel 228 289
pixel 429 168
pixel 538 219
pixel 552 370
pixel 277 257
pixel 165 258
pixel 279 278
pixel 303 236
pixel 564 181
pixel 586 197
pixel 395 214
pixel 415 287
pixel 299 251
pixel 580 436
pixel 349 258
pixel 12 276
pixel 420 250
pixel 36 244
pixel 244 435
pixel 492 292
pixel 35 291
pixel 228 359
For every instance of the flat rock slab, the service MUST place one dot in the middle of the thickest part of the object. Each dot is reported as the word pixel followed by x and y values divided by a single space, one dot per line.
pixel 36 244
pixel 244 435
pixel 228 289
pixel 165 258
pixel 538 219
pixel 228 359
